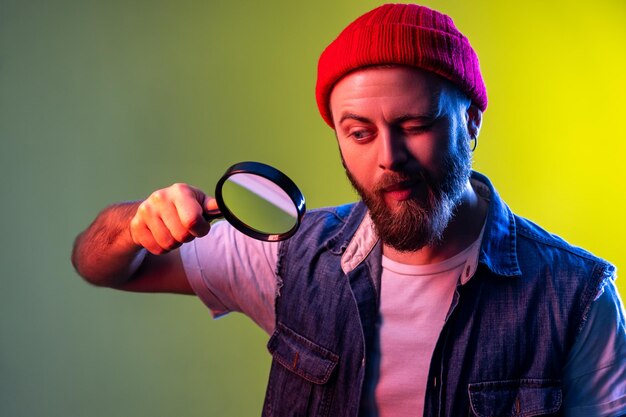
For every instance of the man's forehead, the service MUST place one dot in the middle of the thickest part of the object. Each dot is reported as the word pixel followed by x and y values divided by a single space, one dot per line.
pixel 396 82
pixel 404 71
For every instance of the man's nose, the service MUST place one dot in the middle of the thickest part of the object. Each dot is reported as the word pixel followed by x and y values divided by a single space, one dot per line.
pixel 392 152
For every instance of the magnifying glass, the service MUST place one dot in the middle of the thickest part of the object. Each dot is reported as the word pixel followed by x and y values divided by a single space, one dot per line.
pixel 259 201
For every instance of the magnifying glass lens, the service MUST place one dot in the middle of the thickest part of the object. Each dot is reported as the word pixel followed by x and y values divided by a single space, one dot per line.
pixel 259 203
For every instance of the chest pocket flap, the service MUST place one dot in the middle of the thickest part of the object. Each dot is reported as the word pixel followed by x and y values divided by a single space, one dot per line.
pixel 302 356
pixel 515 398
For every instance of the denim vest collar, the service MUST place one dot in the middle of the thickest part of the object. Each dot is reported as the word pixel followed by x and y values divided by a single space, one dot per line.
pixel 499 248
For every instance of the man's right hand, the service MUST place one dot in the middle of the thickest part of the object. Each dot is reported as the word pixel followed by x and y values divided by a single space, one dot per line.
pixel 111 252
pixel 170 217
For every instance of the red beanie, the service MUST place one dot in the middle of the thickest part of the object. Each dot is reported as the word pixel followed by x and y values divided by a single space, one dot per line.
pixel 402 34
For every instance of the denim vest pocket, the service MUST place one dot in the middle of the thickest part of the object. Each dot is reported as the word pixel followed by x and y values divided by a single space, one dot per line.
pixel 302 356
pixel 515 398
pixel 300 378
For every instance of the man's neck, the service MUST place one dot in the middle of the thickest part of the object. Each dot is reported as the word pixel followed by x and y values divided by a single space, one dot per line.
pixel 462 231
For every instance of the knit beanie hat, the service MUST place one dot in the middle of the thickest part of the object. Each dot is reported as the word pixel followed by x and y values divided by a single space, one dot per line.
pixel 401 34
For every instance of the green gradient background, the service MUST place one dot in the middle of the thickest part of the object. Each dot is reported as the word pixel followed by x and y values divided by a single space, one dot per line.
pixel 102 101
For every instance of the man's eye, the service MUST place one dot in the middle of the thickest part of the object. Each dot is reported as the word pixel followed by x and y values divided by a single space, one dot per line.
pixel 360 135
pixel 417 130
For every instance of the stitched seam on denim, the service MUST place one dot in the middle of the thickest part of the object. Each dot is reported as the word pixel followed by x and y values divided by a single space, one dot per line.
pixel 320 353
pixel 553 242
pixel 474 389
pixel 303 374
pixel 326 401
pixel 528 382
pixel 326 353
pixel 591 291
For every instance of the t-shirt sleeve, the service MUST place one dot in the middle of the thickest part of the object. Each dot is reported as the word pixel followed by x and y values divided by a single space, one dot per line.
pixel 594 382
pixel 230 271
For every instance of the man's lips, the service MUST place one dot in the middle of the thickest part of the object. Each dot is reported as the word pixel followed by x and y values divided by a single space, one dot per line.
pixel 400 191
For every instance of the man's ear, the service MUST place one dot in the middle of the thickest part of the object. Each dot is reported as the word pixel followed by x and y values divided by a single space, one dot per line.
pixel 474 118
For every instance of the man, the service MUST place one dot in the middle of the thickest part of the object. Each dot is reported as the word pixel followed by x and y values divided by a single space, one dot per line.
pixel 429 297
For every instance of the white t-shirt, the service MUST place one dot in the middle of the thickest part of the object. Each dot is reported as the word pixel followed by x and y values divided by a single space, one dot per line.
pixel 231 272
pixel 414 302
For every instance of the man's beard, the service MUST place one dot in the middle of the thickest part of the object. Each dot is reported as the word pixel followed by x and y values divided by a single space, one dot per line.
pixel 418 222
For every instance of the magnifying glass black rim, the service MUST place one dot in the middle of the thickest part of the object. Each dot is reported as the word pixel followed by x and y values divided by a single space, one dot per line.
pixel 277 177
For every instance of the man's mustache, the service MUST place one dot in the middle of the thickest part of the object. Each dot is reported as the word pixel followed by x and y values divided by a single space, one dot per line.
pixel 401 178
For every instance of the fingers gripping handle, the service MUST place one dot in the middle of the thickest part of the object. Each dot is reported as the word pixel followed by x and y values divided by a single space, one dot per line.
pixel 210 215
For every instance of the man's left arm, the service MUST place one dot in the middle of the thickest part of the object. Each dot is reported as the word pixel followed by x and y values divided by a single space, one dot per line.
pixel 594 381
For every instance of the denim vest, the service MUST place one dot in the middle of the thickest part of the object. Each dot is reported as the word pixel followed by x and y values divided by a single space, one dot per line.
pixel 502 348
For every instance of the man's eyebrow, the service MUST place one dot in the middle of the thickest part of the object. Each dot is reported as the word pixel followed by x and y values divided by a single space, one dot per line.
pixel 353 116
pixel 421 117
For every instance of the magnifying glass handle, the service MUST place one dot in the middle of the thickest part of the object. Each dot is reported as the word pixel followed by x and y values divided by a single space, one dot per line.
pixel 210 215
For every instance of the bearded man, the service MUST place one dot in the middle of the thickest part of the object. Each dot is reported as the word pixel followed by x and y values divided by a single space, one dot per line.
pixel 427 298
